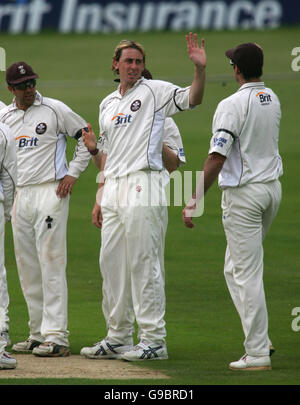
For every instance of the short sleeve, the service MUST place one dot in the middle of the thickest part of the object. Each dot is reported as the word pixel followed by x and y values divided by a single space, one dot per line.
pixel 225 129
pixel 69 122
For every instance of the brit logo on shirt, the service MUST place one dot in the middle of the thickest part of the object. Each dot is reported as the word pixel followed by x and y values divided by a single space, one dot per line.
pixel 122 119
pixel 41 128
pixel 26 142
pixel 264 98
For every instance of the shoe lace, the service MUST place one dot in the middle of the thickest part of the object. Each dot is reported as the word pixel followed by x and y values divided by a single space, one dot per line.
pixel 148 351
pixel 48 344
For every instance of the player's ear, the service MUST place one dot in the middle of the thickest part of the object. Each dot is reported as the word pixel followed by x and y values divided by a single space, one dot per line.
pixel 236 70
pixel 10 89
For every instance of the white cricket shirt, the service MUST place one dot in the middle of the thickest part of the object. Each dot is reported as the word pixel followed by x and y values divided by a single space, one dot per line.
pixel 132 126
pixel 246 130
pixel 40 138
pixel 172 139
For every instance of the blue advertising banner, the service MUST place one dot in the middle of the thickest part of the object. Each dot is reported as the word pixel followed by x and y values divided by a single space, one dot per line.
pixel 65 16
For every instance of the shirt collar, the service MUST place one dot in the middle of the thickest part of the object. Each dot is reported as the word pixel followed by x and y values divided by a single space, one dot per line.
pixel 251 85
pixel 131 88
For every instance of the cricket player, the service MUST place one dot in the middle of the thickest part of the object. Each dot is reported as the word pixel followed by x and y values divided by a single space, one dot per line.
pixel 244 154
pixel 41 126
pixel 172 154
pixel 133 203
pixel 8 180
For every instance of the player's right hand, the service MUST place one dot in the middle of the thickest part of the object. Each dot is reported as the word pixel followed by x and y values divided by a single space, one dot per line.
pixel 97 216
pixel 196 53
pixel 187 215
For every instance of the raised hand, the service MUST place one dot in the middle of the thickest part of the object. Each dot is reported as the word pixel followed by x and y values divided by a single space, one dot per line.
pixel 197 54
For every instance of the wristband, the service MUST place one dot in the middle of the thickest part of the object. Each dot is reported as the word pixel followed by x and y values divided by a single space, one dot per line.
pixel 94 152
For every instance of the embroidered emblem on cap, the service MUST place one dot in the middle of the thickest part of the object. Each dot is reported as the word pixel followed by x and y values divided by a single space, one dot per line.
pixel 21 70
pixel 41 128
pixel 136 105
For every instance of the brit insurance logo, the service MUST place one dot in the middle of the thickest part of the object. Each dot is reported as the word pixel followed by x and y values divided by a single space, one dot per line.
pixel 264 98
pixel 27 142
pixel 122 119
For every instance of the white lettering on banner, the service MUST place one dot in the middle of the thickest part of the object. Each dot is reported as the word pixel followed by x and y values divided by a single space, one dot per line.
pixel 37 9
pixel 243 10
pixel 115 16
pixel 164 11
pixel 67 16
pixel 213 15
pixel 24 17
pixel 186 16
pixel 118 17
pixel 133 15
pixel 268 14
pixel 88 16
pixel 147 17
pixel 75 16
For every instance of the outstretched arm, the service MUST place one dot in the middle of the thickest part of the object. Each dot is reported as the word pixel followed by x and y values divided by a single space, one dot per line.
pixel 198 57
pixel 211 169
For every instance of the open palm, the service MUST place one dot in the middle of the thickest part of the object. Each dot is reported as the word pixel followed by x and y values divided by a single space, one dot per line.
pixel 197 54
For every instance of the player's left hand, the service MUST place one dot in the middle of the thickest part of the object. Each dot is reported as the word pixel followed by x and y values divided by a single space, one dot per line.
pixel 197 54
pixel 65 186
pixel 187 214
pixel 89 138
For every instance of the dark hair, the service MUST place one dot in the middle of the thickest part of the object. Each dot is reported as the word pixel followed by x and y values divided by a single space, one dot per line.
pixel 249 58
pixel 250 73
pixel 147 75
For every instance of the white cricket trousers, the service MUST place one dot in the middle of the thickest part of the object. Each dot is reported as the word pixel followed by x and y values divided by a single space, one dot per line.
pixel 132 257
pixel 248 213
pixel 4 298
pixel 39 221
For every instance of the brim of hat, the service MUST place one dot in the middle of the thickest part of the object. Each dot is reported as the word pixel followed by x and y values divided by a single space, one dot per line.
pixel 230 53
pixel 24 79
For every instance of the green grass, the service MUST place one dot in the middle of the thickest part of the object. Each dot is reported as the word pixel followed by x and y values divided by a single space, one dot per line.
pixel 204 332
